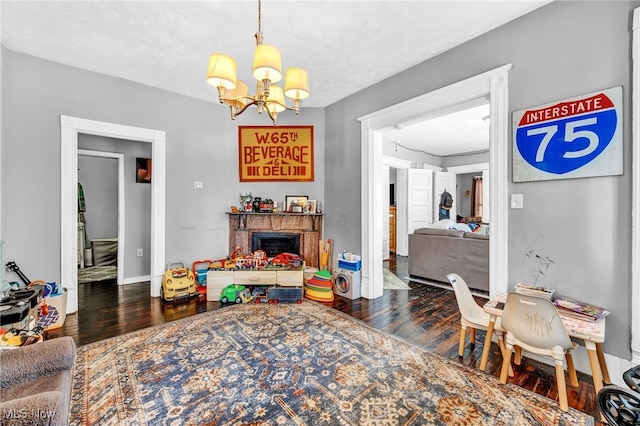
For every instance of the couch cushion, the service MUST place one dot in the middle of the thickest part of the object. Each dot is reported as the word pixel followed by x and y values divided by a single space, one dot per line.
pixel 475 236
pixel 441 232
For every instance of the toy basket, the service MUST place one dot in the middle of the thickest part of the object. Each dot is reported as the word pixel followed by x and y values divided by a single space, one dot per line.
pixel 56 311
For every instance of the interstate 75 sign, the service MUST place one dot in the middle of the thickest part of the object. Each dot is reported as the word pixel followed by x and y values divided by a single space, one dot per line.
pixel 572 138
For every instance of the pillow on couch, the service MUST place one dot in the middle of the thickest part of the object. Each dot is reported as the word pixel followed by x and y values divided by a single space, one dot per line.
pixel 461 227
pixel 483 229
pixel 442 224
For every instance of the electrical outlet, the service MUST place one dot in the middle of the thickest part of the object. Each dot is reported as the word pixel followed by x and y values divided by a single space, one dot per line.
pixel 198 186
pixel 139 252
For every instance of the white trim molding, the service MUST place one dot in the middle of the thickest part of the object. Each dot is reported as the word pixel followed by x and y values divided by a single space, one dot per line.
pixel 635 190
pixel 468 168
pixel 70 128
pixel 397 163
pixel 494 84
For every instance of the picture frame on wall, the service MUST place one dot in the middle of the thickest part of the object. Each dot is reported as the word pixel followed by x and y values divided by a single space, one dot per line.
pixel 296 201
pixel 143 170
pixel 309 207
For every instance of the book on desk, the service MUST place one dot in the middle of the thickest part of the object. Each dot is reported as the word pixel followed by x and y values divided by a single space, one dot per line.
pixel 580 310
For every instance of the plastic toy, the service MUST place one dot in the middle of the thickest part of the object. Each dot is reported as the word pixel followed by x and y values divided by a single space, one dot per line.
pixel 178 282
pixel 200 270
pixel 286 259
pixel 235 293
pixel 281 294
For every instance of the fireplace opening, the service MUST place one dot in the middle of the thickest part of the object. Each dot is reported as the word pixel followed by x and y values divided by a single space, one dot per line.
pixel 274 243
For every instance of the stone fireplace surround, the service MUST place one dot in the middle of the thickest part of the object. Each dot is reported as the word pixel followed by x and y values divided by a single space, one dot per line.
pixel 243 225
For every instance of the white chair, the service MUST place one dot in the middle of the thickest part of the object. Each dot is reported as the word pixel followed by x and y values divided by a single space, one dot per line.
pixel 472 315
pixel 534 324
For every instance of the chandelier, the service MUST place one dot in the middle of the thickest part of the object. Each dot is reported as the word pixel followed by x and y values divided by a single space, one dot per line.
pixel 267 70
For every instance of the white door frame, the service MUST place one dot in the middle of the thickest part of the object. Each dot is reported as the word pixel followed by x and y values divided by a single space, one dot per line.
pixel 495 85
pixel 402 235
pixel 70 127
pixel 121 207
pixel 635 194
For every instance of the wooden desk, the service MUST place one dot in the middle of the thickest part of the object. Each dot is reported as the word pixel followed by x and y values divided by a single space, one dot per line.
pixel 592 333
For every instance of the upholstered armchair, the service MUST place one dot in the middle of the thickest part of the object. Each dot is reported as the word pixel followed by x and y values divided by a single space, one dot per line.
pixel 35 383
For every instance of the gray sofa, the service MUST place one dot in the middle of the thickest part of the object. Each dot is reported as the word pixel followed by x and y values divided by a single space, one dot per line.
pixel 435 253
pixel 35 383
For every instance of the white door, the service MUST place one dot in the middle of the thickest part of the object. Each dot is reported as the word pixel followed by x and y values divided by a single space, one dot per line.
pixel 402 236
pixel 444 181
pixel 485 197
pixel 385 212
pixel 419 199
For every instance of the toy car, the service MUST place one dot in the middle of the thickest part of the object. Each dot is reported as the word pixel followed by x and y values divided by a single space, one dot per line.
pixel 281 294
pixel 235 293
pixel 178 282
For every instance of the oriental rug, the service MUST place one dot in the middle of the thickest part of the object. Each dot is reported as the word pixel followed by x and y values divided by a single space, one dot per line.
pixel 288 364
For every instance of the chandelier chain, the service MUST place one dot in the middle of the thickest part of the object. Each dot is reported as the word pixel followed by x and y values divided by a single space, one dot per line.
pixel 259 17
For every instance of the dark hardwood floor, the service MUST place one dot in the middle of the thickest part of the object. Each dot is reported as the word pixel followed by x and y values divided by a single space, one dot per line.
pixel 425 315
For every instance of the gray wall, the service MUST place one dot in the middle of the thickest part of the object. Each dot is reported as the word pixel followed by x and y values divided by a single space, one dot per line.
pixel 99 179
pixel 137 200
pixel 580 227
pixel 201 145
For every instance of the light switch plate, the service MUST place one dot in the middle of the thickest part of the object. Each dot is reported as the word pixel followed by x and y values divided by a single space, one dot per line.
pixel 517 201
pixel 198 186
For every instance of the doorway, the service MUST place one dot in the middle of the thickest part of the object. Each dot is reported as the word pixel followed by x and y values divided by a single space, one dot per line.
pixel 493 84
pixel 119 208
pixel 70 127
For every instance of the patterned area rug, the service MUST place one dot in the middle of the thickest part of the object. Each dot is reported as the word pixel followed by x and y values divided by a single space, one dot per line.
pixel 97 273
pixel 288 364
pixel 392 282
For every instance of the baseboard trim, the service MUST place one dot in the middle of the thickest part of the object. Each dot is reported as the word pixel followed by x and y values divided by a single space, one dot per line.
pixel 133 280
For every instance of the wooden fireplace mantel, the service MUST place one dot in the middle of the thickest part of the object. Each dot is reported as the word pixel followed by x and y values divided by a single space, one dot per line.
pixel 242 225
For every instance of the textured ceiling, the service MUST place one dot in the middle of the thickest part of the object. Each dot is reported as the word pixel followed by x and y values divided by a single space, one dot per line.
pixel 345 45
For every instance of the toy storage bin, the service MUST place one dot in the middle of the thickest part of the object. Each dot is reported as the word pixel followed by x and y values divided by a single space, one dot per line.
pixel 351 265
pixel 57 311
pixel 105 251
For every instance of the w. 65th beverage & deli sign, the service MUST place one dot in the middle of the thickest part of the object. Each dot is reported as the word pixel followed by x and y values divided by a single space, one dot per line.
pixel 275 153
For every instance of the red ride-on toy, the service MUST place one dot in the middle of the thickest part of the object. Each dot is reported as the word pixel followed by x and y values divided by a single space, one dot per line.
pixel 200 268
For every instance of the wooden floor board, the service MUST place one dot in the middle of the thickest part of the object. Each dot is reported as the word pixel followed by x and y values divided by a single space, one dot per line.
pixel 425 315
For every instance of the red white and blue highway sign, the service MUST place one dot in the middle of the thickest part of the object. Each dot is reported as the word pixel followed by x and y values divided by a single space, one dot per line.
pixel 577 137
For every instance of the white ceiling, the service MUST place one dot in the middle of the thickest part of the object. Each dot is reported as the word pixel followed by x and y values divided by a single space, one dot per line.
pixel 345 45
pixel 465 130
